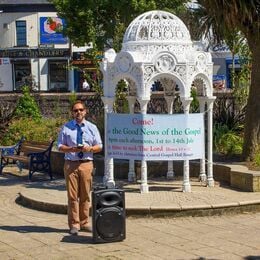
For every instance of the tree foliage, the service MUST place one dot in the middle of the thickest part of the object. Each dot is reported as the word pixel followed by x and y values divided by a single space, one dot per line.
pixel 225 17
pixel 27 106
pixel 103 22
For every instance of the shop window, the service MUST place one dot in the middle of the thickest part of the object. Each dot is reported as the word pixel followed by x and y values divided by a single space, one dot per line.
pixel 21 33
pixel 58 75
pixel 22 72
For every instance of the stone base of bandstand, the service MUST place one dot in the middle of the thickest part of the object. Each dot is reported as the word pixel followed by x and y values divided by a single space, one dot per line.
pixel 233 174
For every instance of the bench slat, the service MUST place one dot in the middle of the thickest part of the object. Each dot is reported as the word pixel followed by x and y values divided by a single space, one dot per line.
pixel 34 143
pixel 18 157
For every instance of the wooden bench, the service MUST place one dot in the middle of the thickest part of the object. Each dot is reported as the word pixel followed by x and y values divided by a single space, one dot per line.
pixel 36 155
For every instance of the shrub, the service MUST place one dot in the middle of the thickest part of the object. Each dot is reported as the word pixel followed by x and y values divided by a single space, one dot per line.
pixel 44 129
pixel 27 106
pixel 121 103
pixel 226 141
pixel 195 103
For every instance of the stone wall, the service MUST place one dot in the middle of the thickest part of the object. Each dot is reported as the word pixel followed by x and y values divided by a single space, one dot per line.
pixel 50 104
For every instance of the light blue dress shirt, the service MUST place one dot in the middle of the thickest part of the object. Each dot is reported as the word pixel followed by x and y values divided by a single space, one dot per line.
pixel 68 136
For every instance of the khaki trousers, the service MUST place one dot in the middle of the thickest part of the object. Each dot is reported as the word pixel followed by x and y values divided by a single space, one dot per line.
pixel 78 176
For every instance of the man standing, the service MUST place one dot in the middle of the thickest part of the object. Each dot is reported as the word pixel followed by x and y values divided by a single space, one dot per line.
pixel 79 139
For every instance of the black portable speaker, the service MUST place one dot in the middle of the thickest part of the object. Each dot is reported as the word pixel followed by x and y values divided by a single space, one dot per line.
pixel 108 215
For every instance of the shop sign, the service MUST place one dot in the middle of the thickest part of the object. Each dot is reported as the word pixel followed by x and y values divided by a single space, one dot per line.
pixel 220 48
pixel 51 30
pixel 82 62
pixel 46 45
pixel 35 53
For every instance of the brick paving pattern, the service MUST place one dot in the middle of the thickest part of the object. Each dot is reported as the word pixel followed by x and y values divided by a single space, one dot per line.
pixel 30 234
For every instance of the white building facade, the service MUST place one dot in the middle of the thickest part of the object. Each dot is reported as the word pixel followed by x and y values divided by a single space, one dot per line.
pixel 32 47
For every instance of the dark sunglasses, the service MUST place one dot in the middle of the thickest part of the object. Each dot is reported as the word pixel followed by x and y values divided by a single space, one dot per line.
pixel 78 110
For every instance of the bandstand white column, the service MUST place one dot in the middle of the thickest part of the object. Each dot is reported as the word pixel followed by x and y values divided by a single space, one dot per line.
pixel 144 186
pixel 210 102
pixel 131 171
pixel 169 101
pixel 202 176
pixel 186 187
pixel 108 179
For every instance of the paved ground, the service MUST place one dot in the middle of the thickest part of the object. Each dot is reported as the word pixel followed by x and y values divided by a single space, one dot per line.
pixel 30 234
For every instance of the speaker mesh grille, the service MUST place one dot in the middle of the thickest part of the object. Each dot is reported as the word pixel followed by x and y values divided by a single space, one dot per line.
pixel 110 223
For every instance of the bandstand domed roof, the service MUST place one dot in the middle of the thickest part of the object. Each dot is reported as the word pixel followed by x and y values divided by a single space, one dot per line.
pixel 156 27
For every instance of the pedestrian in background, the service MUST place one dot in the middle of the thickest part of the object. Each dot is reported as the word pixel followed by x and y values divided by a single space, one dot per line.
pixel 85 85
pixel 79 139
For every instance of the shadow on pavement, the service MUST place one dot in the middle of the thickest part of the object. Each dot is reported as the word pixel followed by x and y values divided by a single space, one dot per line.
pixel 33 229
pixel 41 229
pixel 57 184
pixel 7 179
pixel 77 239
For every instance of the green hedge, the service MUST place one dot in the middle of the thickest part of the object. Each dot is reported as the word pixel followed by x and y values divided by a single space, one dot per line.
pixel 43 129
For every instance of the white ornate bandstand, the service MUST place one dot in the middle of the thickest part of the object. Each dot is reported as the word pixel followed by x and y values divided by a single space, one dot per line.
pixel 157 46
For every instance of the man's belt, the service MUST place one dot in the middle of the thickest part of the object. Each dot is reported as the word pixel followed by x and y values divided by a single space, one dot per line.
pixel 79 161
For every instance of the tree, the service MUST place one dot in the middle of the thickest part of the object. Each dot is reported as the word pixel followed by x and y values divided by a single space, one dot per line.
pixel 241 15
pixel 104 22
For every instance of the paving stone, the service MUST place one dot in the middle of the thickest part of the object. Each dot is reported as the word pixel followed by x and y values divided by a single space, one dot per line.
pixel 31 234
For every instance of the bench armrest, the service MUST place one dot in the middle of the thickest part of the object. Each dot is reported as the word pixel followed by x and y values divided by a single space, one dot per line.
pixel 12 149
pixel 38 156
pixel 9 150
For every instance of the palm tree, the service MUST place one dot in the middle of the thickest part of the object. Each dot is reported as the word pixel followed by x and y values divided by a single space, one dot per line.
pixel 242 15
